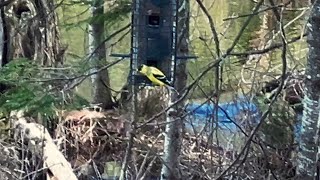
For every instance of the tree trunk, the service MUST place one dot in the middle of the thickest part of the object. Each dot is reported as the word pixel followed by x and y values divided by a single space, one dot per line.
pixel 2 36
pixel 307 155
pixel 183 50
pixel 97 51
pixel 50 48
pixel 172 144
pixel 31 32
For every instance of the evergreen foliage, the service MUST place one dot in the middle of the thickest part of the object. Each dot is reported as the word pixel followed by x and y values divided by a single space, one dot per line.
pixel 26 89
pixel 278 129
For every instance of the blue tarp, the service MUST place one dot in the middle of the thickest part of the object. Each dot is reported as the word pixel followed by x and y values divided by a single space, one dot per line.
pixel 200 114
pixel 231 108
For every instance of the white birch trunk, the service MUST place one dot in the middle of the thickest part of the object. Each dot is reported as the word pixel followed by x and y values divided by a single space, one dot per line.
pixel 172 144
pixel 308 147
pixel 91 48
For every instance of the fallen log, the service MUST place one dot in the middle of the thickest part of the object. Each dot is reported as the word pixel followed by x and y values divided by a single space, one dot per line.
pixel 41 144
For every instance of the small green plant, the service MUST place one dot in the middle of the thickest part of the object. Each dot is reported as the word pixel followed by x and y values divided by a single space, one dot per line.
pixel 278 128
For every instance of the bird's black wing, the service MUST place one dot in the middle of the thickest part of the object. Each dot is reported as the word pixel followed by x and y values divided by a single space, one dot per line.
pixel 163 79
pixel 160 77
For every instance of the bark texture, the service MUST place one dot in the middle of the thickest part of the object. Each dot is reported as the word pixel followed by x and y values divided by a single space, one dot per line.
pixel 172 144
pixel 31 31
pixel 307 155
pixel 97 51
pixel 182 44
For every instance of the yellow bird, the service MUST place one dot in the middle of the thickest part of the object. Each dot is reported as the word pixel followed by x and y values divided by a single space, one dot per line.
pixel 154 75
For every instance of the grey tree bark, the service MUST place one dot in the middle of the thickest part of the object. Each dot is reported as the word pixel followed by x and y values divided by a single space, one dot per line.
pixel 308 147
pixel 172 144
pixel 1 37
pixel 30 31
pixel 97 51
pixel 182 44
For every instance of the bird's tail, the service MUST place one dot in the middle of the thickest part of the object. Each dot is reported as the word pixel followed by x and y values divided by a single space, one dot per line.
pixel 168 83
pixel 172 88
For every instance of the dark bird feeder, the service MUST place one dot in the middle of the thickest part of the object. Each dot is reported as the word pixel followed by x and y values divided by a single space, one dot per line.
pixel 154 27
pixel 153 38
